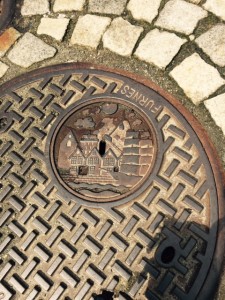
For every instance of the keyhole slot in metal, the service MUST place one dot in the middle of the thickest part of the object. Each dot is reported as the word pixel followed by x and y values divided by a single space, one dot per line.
pixel 168 255
pixel 102 147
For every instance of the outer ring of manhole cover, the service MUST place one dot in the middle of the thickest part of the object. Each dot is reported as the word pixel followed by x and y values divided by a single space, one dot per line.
pixel 6 15
pixel 164 241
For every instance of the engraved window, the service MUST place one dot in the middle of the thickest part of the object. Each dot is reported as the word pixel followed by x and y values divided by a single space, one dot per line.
pixel 92 170
pixel 93 160
pixel 74 169
pixel 109 161
pixel 73 160
pixel 77 160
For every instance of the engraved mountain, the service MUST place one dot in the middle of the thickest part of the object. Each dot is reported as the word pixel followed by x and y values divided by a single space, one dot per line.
pixel 104 149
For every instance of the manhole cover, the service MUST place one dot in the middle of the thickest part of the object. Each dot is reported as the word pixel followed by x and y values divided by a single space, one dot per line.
pixel 108 189
pixel 7 8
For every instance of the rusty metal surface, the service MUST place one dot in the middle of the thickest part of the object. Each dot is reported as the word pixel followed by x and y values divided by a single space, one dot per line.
pixel 7 8
pixel 68 234
pixel 103 151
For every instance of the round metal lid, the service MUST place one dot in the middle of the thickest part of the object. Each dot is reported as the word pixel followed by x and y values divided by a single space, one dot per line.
pixel 107 183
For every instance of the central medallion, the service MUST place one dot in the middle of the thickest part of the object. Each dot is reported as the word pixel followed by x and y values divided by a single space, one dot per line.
pixel 104 151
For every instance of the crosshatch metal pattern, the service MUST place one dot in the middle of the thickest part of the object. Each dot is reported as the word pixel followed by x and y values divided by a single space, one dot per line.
pixel 54 247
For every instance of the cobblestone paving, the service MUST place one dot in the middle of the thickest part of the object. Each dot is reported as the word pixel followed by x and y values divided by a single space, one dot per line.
pixel 179 44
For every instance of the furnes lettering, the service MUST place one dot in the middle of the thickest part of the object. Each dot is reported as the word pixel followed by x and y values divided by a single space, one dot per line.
pixel 138 97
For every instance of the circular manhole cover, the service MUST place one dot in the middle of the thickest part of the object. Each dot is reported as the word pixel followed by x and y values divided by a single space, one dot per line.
pixel 108 187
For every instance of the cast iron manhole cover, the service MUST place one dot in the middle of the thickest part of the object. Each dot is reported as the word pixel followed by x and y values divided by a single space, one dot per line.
pixel 7 8
pixel 108 189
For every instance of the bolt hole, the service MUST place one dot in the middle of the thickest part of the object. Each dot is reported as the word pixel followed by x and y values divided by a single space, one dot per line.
pixel 102 148
pixel 106 295
pixel 168 255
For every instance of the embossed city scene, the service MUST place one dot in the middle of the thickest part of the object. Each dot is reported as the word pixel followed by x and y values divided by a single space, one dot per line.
pixel 105 149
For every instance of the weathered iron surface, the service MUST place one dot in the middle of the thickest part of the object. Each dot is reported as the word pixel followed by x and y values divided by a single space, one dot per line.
pixel 103 151
pixel 7 9
pixel 72 223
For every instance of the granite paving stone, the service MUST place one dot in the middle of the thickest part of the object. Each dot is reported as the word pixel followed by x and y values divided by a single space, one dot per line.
pixel 121 37
pixel 37 7
pixel 7 39
pixel 89 30
pixel 217 7
pixel 159 47
pixel 197 78
pixel 55 28
pixel 212 43
pixel 145 10
pixel 68 5
pixel 29 50
pixel 216 107
pixel 180 16
pixel 3 69
pixel 114 7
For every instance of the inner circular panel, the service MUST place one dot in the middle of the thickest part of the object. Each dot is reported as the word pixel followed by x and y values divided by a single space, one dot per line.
pixel 104 150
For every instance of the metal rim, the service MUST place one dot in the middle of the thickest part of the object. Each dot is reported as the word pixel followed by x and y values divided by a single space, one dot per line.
pixel 8 8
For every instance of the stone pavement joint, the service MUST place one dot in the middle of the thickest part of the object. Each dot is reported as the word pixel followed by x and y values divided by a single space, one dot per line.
pixel 114 7
pixel 30 50
pixel 159 48
pixel 145 10
pixel 68 5
pixel 89 30
pixel 7 39
pixel 3 69
pixel 216 6
pixel 180 16
pixel 37 7
pixel 55 28
pixel 197 78
pixel 216 107
pixel 121 37
pixel 212 43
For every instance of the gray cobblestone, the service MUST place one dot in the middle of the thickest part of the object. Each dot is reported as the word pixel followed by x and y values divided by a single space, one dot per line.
pixel 114 7
pixel 197 78
pixel 68 5
pixel 217 7
pixel 30 50
pixel 121 37
pixel 89 30
pixel 3 69
pixel 37 7
pixel 145 10
pixel 180 16
pixel 212 43
pixel 55 28
pixel 216 107
pixel 159 48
